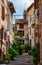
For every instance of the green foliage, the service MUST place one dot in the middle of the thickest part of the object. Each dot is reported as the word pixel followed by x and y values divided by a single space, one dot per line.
pixel 37 26
pixel 27 47
pixel 14 46
pixel 13 52
pixel 15 28
pixel 22 47
pixel 7 57
pixel 41 64
pixel 36 53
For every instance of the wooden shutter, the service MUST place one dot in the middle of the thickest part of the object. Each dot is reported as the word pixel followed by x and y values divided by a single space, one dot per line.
pixel 3 11
pixel 21 26
pixel 5 35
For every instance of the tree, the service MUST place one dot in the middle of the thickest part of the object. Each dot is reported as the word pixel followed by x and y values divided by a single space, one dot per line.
pixel 16 44
pixel 12 53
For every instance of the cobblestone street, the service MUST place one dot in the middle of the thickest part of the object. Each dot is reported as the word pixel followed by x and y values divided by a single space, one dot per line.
pixel 22 60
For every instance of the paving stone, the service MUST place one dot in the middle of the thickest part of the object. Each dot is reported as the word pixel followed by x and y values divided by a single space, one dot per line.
pixel 22 60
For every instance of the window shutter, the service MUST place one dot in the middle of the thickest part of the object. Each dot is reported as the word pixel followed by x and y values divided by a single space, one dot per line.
pixel 21 26
pixel 3 11
pixel 5 35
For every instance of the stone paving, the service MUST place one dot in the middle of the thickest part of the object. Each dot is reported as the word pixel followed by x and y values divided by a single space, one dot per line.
pixel 22 60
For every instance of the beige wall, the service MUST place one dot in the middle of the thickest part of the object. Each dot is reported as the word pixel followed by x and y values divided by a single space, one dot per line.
pixel 30 13
pixel 25 31
pixel 7 23
pixel 4 24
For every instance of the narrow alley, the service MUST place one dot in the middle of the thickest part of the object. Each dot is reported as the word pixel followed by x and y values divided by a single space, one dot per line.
pixel 21 60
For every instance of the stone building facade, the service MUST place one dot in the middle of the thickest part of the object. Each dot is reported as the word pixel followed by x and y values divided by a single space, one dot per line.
pixel 29 18
pixel 38 11
pixel 22 28
pixel 6 13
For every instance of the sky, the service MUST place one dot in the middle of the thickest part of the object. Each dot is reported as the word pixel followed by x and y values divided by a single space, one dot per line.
pixel 20 6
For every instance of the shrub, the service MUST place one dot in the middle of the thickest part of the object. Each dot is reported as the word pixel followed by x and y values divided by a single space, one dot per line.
pixel 7 57
pixel 41 64
pixel 35 54
pixel 13 52
pixel 27 47
pixel 22 47
pixel 14 46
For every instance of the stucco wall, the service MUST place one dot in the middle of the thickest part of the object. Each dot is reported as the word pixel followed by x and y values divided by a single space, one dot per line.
pixel 7 23
pixel 25 31
pixel 29 14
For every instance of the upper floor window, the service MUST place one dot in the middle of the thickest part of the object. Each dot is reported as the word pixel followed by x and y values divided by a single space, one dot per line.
pixel 1 33
pixel 21 26
pixel 3 11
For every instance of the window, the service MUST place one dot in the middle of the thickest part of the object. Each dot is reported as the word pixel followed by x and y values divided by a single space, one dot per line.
pixel 21 26
pixel 2 30
pixel 5 35
pixel 30 41
pixel 21 41
pixel 21 33
pixel 3 11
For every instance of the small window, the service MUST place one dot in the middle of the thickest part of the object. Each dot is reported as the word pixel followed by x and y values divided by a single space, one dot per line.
pixel 5 35
pixel 21 26
pixel 21 41
pixel 2 30
pixel 30 41
pixel 3 11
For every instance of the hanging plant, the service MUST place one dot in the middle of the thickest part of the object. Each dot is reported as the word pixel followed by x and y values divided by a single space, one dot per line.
pixel 37 26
